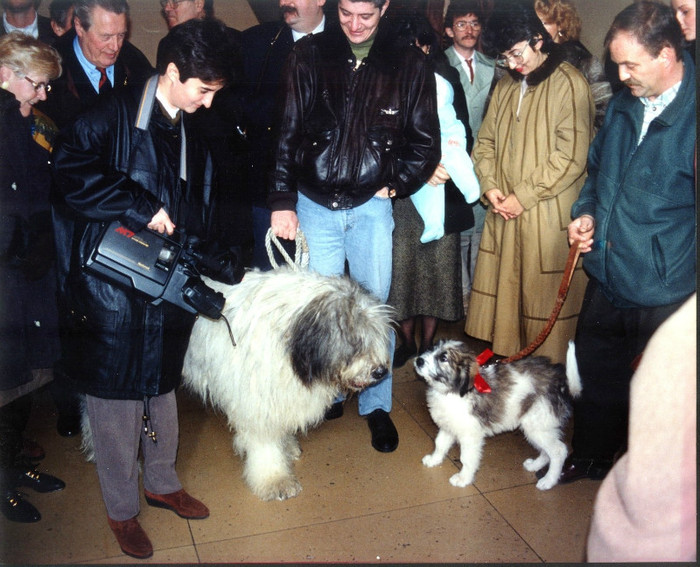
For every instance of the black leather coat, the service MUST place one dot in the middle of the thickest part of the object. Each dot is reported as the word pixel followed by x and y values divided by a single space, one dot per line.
pixel 346 133
pixel 115 344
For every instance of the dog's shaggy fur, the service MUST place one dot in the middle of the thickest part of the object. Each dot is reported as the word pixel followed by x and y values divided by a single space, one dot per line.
pixel 301 339
pixel 531 394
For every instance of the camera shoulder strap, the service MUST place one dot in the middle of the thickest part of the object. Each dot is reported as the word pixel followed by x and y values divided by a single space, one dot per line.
pixel 143 118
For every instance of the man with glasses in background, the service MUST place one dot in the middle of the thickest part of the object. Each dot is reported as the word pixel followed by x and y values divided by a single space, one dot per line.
pixel 463 24
pixel 177 11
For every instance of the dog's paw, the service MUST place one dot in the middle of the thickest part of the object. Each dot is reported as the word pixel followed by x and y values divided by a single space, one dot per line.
pixel 460 480
pixel 546 483
pixel 532 465
pixel 281 490
pixel 293 449
pixel 432 460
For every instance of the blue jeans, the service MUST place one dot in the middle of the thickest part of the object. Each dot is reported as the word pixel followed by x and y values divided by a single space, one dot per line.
pixel 362 236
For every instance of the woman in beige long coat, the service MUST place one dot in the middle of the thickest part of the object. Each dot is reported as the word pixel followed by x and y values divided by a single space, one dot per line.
pixel 530 158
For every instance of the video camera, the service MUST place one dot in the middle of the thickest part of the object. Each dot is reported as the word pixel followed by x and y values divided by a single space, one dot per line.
pixel 164 268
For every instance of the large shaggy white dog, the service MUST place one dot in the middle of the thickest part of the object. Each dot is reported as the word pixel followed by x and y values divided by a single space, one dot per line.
pixel 300 340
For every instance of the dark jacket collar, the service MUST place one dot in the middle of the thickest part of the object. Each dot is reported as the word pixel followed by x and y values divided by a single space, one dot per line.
pixel 334 42
pixel 554 59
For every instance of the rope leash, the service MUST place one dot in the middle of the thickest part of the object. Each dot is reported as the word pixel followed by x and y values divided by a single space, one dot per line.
pixel 301 254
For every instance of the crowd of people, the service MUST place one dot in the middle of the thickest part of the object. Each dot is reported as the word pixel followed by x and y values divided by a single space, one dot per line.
pixel 448 168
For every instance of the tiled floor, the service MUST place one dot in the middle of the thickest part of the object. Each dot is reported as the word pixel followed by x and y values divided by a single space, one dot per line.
pixel 357 505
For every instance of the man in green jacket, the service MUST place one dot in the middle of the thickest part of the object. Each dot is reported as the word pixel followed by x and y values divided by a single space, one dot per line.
pixel 635 223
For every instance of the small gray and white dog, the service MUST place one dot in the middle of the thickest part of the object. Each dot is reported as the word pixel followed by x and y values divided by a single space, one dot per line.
pixel 301 339
pixel 531 394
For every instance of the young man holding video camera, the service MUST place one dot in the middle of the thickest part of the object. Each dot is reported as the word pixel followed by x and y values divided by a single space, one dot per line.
pixel 133 158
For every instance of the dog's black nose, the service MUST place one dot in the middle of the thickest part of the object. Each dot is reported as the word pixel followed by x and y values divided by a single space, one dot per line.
pixel 419 361
pixel 379 373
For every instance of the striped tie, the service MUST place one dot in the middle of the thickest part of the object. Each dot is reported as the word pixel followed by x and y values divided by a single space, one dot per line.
pixel 104 84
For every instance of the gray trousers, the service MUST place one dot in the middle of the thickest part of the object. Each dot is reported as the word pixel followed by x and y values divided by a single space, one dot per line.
pixel 118 429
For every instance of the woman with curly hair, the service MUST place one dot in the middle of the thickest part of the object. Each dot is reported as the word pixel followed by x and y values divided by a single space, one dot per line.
pixel 561 20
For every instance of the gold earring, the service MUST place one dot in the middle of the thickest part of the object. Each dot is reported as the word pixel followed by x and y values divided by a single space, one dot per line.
pixel 4 85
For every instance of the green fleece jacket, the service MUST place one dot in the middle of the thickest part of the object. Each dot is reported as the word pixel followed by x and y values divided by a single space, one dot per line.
pixel 643 201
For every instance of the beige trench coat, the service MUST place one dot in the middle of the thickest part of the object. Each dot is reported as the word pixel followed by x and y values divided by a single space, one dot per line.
pixel 538 153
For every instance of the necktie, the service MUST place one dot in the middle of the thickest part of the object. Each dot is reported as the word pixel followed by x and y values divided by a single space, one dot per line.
pixel 104 84
pixel 471 70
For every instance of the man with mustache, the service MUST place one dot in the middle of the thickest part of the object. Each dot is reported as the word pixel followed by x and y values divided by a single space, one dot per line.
pixel 635 222
pixel 266 47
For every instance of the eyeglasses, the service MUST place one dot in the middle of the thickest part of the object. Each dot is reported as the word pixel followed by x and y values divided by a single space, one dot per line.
pixel 515 56
pixel 173 3
pixel 462 25
pixel 39 86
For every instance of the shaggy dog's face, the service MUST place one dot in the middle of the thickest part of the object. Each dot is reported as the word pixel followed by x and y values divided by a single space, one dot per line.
pixel 449 367
pixel 343 339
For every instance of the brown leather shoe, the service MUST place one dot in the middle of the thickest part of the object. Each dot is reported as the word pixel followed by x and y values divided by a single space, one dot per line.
pixel 179 502
pixel 131 538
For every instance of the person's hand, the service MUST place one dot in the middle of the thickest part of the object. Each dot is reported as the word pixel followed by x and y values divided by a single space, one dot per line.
pixel 284 224
pixel 511 207
pixel 501 205
pixel 581 230
pixel 439 177
pixel 161 222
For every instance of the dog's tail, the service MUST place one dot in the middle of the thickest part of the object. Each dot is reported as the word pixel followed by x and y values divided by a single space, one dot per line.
pixel 572 376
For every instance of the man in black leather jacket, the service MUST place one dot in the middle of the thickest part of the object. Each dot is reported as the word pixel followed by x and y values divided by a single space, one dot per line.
pixel 359 127
pixel 133 158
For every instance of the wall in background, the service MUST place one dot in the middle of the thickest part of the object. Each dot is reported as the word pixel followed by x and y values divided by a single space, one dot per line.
pixel 597 17
pixel 148 27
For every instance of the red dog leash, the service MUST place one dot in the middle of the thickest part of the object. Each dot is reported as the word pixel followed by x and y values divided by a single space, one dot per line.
pixel 574 252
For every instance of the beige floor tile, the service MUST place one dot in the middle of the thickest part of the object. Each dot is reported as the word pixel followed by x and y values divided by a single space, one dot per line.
pixel 554 522
pixel 175 555
pixel 461 530
pixel 341 474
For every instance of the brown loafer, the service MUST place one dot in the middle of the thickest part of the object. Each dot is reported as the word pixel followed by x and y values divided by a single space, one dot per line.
pixel 131 538
pixel 179 502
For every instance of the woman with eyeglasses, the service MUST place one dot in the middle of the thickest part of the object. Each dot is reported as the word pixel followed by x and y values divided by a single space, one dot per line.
pixel 530 158
pixel 28 319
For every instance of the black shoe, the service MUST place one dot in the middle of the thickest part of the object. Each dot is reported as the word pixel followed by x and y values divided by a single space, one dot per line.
pixel 15 509
pixel 385 438
pixel 335 411
pixel 402 354
pixel 579 469
pixel 68 425
pixel 28 476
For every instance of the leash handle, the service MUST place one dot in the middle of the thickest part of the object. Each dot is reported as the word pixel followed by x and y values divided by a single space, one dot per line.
pixel 572 259
pixel 301 254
